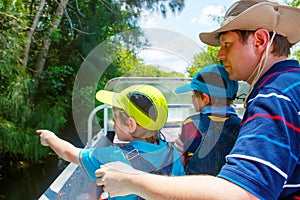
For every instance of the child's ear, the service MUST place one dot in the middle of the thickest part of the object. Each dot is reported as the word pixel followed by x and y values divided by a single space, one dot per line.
pixel 131 125
pixel 206 98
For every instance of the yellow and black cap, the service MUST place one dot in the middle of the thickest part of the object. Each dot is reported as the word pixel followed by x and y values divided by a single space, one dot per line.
pixel 145 103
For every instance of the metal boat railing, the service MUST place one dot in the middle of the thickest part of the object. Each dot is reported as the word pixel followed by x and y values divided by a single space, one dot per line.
pixel 105 107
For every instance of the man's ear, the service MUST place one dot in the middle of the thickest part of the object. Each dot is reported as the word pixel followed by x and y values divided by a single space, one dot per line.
pixel 131 125
pixel 261 39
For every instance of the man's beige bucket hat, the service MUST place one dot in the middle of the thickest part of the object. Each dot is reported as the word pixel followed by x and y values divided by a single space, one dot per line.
pixel 254 14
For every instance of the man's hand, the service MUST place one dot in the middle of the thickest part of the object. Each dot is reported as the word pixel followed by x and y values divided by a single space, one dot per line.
pixel 116 178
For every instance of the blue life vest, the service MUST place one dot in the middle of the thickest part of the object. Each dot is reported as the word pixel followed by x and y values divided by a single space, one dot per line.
pixel 139 162
pixel 217 141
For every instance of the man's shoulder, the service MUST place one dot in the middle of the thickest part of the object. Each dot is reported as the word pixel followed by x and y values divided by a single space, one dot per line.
pixel 281 76
pixel 284 69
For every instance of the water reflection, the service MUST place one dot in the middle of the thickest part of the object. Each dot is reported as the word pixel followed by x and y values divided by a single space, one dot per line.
pixel 19 181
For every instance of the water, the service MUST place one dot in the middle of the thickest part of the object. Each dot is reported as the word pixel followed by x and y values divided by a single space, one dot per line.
pixel 21 182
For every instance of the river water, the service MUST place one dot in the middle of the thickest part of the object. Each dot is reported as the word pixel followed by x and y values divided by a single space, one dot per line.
pixel 21 182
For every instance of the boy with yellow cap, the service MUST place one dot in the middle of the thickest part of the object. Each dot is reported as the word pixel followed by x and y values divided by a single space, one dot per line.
pixel 140 111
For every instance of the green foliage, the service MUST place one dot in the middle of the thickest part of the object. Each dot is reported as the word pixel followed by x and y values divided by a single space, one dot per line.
pixel 296 55
pixel 50 114
pixel 12 26
pixel 156 5
pixel 19 117
pixel 127 64
pixel 294 3
pixel 15 137
pixel 54 80
pixel 213 52
pixel 14 102
pixel 142 70
pixel 27 103
pixel 202 59
pixel 21 142
pixel 18 124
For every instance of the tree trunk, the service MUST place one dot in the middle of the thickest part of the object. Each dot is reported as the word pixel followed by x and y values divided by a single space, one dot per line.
pixel 31 32
pixel 41 60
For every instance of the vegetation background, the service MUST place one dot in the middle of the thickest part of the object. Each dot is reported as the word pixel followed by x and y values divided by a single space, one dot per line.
pixel 42 45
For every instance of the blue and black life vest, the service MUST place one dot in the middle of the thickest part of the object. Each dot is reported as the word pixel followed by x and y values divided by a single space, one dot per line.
pixel 217 141
pixel 139 162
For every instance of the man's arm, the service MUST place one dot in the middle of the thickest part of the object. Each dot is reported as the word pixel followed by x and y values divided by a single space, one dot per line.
pixel 119 179
pixel 62 148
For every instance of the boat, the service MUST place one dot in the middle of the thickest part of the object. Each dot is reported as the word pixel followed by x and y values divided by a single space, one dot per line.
pixel 73 183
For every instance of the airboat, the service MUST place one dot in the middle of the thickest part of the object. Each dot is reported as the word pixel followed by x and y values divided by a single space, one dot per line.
pixel 72 183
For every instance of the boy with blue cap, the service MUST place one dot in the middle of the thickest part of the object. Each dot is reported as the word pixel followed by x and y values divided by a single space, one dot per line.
pixel 207 137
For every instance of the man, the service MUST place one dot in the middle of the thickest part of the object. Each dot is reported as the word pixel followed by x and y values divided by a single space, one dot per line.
pixel 255 39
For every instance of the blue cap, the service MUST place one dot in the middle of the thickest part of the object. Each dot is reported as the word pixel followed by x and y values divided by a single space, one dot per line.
pixel 212 80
